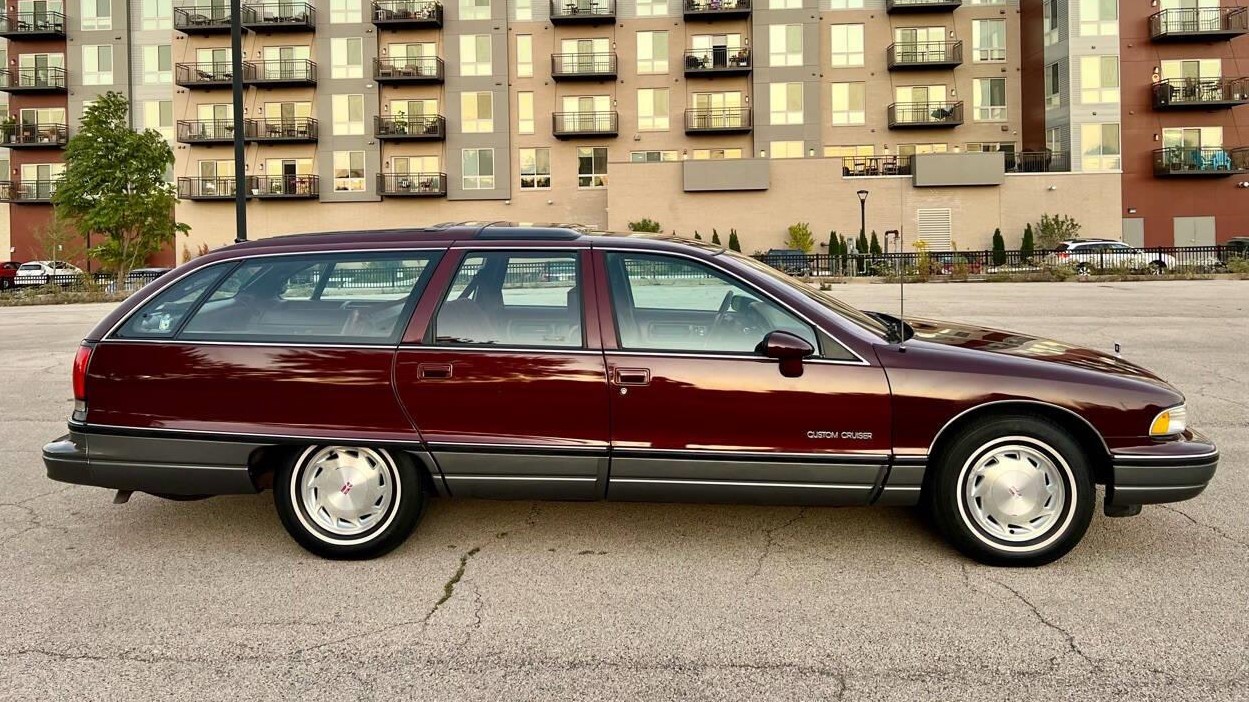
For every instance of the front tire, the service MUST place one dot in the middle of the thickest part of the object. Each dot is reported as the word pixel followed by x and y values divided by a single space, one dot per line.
pixel 1012 491
pixel 349 502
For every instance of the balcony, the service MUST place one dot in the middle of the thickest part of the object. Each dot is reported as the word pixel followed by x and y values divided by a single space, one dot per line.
pixel 202 19
pixel 914 6
pixel 221 188
pixel 583 11
pixel 709 10
pixel 210 76
pixel 414 128
pixel 282 130
pixel 570 67
pixel 1210 162
pixel 270 18
pixel 569 125
pixel 285 187
pixel 1199 24
pixel 924 54
pixel 213 131
pixel 20 81
pixel 862 166
pixel 1200 93
pixel 412 184
pixel 282 73
pixel 725 120
pixel 408 69
pixel 905 115
pixel 32 25
pixel 22 192
pixel 1038 162
pixel 34 136
pixel 407 14
pixel 718 61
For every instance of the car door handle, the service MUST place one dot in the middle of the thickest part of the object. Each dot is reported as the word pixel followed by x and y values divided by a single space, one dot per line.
pixel 633 376
pixel 434 371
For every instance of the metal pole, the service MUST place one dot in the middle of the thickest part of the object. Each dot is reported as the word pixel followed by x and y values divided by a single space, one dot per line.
pixel 862 217
pixel 236 85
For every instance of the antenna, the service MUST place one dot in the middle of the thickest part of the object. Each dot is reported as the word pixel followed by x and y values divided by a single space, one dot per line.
pixel 897 235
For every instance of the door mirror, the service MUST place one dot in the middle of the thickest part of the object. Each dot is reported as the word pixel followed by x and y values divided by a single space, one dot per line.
pixel 787 348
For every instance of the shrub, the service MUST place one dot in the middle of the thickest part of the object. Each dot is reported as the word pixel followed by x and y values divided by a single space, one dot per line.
pixel 799 237
pixel 646 224
pixel 874 247
pixel 999 248
pixel 1053 229
pixel 861 246
pixel 697 235
pixel 1026 247
pixel 715 237
pixel 734 244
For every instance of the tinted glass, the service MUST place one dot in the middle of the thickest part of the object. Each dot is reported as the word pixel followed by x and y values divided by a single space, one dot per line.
pixel 160 317
pixel 350 298
pixel 672 304
pixel 508 298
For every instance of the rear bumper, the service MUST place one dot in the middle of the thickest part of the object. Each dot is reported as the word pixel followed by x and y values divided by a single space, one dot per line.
pixel 1170 472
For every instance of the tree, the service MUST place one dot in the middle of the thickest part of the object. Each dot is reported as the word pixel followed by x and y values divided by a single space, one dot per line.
pixel 114 186
pixel 800 237
pixel 1026 247
pixel 874 247
pixel 999 248
pixel 57 241
pixel 715 237
pixel 697 235
pixel 645 224
pixel 734 244
pixel 861 246
pixel 1054 229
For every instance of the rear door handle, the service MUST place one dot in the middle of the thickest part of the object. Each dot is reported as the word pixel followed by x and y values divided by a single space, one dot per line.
pixel 633 376
pixel 434 371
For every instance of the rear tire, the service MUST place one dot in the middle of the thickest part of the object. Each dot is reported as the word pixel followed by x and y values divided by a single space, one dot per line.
pixel 349 502
pixel 1157 268
pixel 1012 491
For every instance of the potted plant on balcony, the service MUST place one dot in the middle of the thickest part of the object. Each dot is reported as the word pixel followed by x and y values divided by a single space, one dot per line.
pixel 401 122
pixel 8 128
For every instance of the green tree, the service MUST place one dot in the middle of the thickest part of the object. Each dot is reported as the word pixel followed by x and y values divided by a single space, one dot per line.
pixel 799 237
pixel 1027 246
pixel 114 186
pixel 697 236
pixel 715 237
pixel 874 247
pixel 646 224
pixel 999 248
pixel 861 246
pixel 734 244
pixel 1054 229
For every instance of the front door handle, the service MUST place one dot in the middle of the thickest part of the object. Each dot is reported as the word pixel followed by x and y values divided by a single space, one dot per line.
pixel 434 371
pixel 633 376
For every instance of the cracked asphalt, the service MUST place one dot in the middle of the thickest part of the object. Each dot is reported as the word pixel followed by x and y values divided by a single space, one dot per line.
pixel 490 600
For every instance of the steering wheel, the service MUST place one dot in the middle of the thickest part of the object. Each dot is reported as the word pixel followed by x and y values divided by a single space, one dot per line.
pixel 722 316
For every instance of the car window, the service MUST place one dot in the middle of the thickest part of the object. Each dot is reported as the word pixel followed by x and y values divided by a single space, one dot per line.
pixel 31 267
pixel 1063 247
pixel 160 317
pixel 345 298
pixel 664 303
pixel 509 298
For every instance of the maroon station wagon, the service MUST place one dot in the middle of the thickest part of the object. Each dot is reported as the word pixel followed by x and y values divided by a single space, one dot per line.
pixel 359 373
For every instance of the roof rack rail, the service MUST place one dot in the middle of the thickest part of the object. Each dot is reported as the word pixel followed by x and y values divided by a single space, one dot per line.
pixel 496 231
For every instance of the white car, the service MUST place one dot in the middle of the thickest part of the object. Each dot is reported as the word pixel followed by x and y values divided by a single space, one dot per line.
pixel 44 272
pixel 1089 255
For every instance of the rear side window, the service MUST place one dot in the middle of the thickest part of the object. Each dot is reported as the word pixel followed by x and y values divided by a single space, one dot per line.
pixel 161 316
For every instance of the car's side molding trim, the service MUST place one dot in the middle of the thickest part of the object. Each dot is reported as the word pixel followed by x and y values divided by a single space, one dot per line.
pixel 872 459
pixel 227 436
pixel 735 483
pixel 473 447
pixel 727 356
pixel 932 446
pixel 1133 457
pixel 537 478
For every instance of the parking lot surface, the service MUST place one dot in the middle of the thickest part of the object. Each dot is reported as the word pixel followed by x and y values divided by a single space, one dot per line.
pixel 498 600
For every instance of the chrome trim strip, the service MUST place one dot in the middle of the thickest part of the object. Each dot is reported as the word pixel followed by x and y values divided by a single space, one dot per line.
pixel 538 448
pixel 956 417
pixel 281 344
pixel 833 486
pixel 242 436
pixel 1160 487
pixel 882 457
pixel 1151 457
pixel 725 356
pixel 910 488
pixel 505 349
pixel 520 477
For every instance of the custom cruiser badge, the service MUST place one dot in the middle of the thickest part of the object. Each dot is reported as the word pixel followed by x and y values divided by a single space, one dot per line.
pixel 851 435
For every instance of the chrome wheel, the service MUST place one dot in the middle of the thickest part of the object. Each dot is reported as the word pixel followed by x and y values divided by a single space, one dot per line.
pixel 1013 491
pixel 346 490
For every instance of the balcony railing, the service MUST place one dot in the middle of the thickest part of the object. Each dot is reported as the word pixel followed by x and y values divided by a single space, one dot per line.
pixel 416 127
pixel 407 14
pixel 725 120
pixel 285 73
pixel 1038 162
pixel 284 130
pixel 583 11
pixel 34 136
pixel 219 188
pixel 1199 23
pixel 213 131
pixel 27 191
pixel 280 17
pixel 32 25
pixel 716 9
pixel 566 125
pixel 285 187
pixel 718 60
pixel 601 66
pixel 1200 93
pixel 924 54
pixel 925 114
pixel 209 76
pixel 899 6
pixel 1206 161
pixel 1015 162
pixel 33 80
pixel 408 69
pixel 862 166
pixel 412 184
pixel 202 19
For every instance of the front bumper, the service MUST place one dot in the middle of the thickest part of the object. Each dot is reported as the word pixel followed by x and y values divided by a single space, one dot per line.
pixel 1166 472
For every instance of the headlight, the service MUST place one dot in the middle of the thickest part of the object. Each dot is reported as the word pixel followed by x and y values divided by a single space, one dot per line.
pixel 1170 422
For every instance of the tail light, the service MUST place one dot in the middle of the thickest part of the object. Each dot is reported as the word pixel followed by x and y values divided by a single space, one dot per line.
pixel 1063 254
pixel 81 360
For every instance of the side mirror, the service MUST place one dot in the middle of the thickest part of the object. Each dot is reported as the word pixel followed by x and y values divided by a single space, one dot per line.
pixel 787 348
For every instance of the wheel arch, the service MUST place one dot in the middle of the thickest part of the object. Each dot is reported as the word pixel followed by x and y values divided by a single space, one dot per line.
pixel 264 462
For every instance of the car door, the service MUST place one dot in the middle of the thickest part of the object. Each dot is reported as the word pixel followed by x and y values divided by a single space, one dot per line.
pixel 504 378
pixel 698 415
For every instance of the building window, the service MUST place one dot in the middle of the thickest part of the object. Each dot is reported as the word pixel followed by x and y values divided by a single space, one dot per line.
pixel 986 147
pixel 786 149
pixel 475 10
pixel 784 4
pixel 345 11
pixel 158 115
pixel 1099 18
pixel 157 14
pixel 847 5
pixel 785 45
pixel 523 9
pixel 987 2
pixel 347 58
pixel 1053 94
pixel 848 103
pixel 524 55
pixel 158 64
pixel 478 171
pixel 535 169
pixel 715 154
pixel 1050 12
pixel 847 43
pixel 592 167
pixel 988 40
pixel 652 156
pixel 989 99
pixel 475 55
pixel 1192 69
pixel 96 14
pixel 857 151
pixel 652 52
pixel 348 114
pixel 97 64
pixel 1054 140
pixel 785 105
pixel 653 109
pixel 1099 79
pixel 349 171
pixel 652 8
pixel 477 112
pixel 1099 146
pixel 524 113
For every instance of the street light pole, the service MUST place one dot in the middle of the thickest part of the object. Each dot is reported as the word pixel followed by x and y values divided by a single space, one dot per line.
pixel 236 85
pixel 862 213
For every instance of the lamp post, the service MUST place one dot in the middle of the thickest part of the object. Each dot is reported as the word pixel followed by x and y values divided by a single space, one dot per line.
pixel 236 90
pixel 862 213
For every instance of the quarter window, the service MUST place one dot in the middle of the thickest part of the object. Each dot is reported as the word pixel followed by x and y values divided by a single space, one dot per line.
pixel 161 317
pixel 507 298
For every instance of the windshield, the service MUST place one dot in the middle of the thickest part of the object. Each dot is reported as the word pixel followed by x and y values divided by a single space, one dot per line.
pixel 827 301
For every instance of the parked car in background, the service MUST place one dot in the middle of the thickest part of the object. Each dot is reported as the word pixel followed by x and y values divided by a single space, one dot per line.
pixel 8 272
pixel 791 261
pixel 1095 255
pixel 1237 247
pixel 44 272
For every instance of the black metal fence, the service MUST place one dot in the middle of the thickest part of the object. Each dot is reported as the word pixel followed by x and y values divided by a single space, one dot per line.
pixel 82 281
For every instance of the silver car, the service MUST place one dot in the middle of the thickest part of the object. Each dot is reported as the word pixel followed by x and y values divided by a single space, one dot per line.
pixel 1089 255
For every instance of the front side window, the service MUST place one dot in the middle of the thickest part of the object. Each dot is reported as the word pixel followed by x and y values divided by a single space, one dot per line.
pixel 663 303
pixel 508 298
pixel 478 169
pixel 592 167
